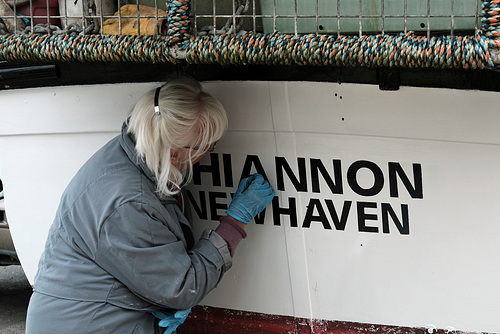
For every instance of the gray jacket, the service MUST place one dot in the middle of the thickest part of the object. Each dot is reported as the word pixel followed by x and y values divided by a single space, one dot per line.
pixel 117 251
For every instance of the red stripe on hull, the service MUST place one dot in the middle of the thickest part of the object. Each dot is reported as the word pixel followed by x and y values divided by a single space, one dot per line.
pixel 211 320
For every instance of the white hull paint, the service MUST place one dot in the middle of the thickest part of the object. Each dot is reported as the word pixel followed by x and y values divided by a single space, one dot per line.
pixel 437 269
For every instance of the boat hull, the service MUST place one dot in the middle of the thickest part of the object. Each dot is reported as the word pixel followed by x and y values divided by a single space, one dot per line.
pixel 386 209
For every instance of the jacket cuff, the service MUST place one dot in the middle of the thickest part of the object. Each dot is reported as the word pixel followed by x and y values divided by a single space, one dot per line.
pixel 221 245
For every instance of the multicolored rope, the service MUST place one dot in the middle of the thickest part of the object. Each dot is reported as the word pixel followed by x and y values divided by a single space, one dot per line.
pixel 403 50
pixel 85 48
pixel 178 20
pixel 491 19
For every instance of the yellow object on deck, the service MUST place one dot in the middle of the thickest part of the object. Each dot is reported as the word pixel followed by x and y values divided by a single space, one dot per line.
pixel 136 20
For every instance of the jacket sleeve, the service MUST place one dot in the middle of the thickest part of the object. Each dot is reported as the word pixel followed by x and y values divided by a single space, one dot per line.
pixel 141 250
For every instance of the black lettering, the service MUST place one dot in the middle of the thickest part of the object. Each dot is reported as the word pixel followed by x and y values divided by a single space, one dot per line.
pixel 228 170
pixel 310 217
pixel 403 227
pixel 415 190
pixel 317 166
pixel 213 169
pixel 291 211
pixel 201 210
pixel 214 206
pixel 282 164
pixel 363 217
pixel 259 219
pixel 339 223
pixel 352 172
pixel 252 161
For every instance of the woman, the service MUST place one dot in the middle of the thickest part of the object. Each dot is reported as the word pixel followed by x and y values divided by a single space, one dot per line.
pixel 121 250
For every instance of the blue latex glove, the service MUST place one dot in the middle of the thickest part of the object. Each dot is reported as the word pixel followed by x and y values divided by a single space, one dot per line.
pixel 253 195
pixel 171 321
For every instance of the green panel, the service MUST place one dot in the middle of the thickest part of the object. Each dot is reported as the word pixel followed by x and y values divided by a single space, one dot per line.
pixel 421 15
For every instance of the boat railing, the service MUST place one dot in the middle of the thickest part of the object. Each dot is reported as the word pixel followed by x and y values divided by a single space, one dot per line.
pixel 390 33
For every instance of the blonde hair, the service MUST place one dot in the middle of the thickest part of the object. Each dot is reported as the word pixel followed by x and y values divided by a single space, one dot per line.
pixel 189 118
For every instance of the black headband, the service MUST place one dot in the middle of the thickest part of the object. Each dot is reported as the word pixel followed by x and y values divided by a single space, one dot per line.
pixel 157 107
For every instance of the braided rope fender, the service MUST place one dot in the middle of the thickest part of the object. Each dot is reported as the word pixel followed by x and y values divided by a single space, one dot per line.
pixel 403 50
pixel 178 20
pixel 491 18
pixel 86 48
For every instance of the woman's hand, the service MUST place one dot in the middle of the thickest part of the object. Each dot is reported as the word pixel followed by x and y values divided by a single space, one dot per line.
pixel 253 195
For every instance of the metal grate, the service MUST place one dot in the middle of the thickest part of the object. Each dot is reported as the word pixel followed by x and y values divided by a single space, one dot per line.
pixel 341 17
pixel 214 17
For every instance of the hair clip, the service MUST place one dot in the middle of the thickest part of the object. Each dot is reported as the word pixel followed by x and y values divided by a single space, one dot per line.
pixel 157 107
